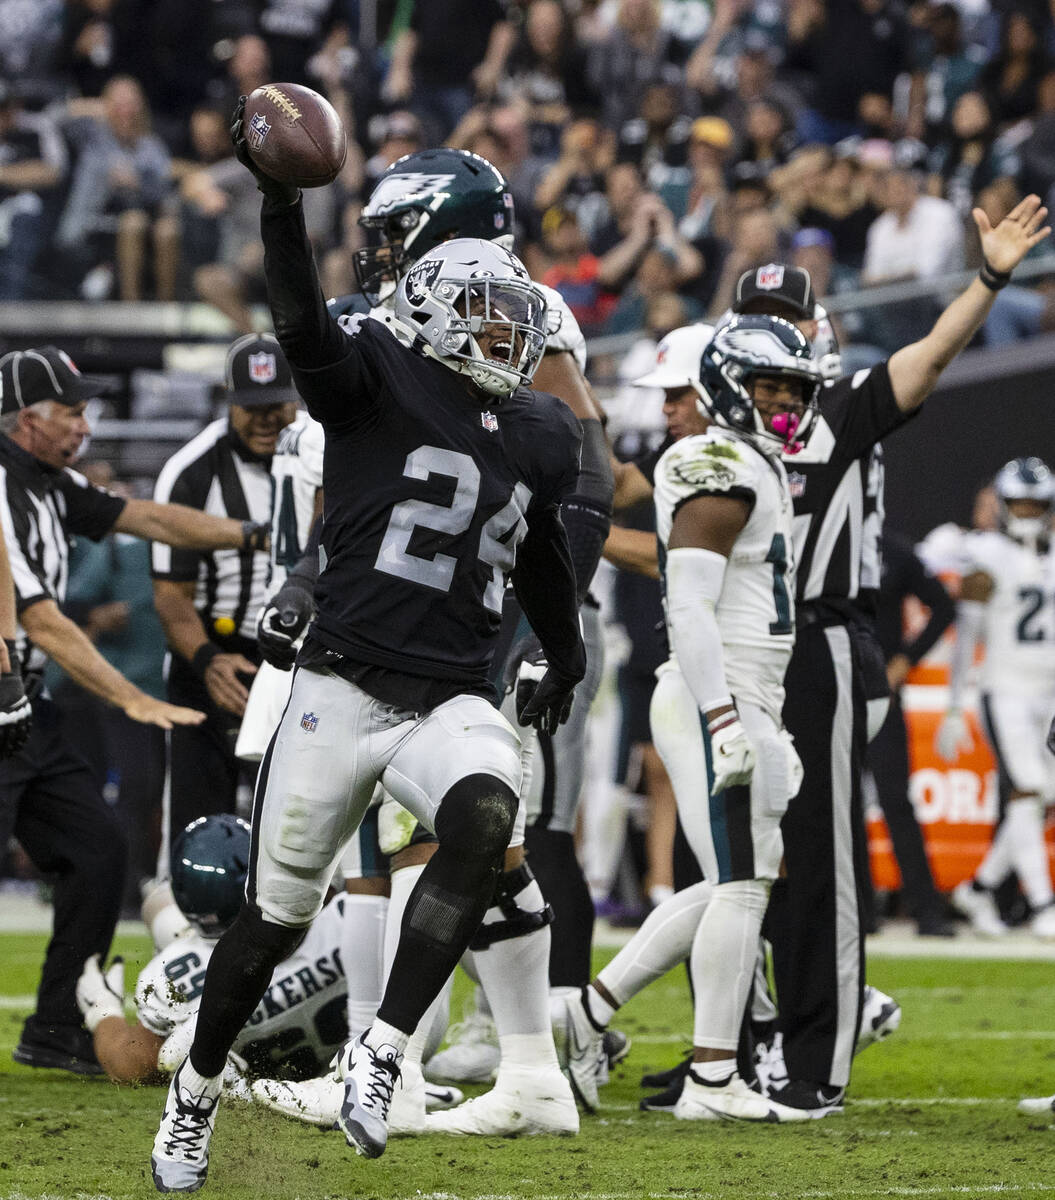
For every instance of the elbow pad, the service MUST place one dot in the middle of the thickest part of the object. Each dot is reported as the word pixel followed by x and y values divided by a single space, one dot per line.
pixel 587 528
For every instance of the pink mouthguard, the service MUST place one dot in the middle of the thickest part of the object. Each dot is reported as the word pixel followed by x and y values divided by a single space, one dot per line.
pixel 786 425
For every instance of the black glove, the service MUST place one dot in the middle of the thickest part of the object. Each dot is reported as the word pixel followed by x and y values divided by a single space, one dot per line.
pixel 280 193
pixel 544 696
pixel 16 715
pixel 281 622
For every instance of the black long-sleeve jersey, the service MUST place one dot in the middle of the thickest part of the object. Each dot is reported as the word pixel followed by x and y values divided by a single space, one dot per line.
pixel 431 498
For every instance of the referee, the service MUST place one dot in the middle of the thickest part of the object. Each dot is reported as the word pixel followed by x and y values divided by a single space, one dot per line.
pixel 208 602
pixel 816 913
pixel 48 797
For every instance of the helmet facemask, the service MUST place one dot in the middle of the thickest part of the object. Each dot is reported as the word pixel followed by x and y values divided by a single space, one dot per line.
pixel 482 318
pixel 1026 479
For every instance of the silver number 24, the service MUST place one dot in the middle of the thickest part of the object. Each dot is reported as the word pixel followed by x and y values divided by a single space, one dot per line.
pixel 499 537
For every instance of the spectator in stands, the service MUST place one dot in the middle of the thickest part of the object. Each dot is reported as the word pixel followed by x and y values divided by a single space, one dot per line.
pixel 971 156
pixel 451 51
pixel 636 54
pixel 88 44
pixel 768 139
pixel 576 181
pixel 814 250
pixel 838 198
pixel 570 268
pixel 294 30
pixel 656 140
pixel 855 50
pixel 1037 152
pixel 547 71
pixel 120 178
pixel 649 227
pixel 755 242
pixel 916 236
pixel 32 165
pixel 30 43
pixel 706 203
pixel 394 135
pixel 1012 77
pixel 248 68
pixel 945 68
pixel 656 277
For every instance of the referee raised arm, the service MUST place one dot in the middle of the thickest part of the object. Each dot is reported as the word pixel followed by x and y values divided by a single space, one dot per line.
pixel 816 912
pixel 48 798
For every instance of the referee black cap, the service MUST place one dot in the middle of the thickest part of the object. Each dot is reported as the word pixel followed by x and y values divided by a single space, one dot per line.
pixel 257 372
pixel 775 283
pixel 32 376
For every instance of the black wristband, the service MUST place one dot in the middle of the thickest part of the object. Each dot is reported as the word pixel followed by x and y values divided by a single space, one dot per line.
pixel 255 535
pixel 993 280
pixel 12 654
pixel 204 655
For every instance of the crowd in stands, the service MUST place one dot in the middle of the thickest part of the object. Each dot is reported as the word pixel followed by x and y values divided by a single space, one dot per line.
pixel 655 148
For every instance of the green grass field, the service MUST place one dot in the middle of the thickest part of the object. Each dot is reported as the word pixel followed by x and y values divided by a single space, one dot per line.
pixel 932 1114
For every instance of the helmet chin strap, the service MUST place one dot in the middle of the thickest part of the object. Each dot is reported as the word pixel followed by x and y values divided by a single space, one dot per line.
pixel 785 425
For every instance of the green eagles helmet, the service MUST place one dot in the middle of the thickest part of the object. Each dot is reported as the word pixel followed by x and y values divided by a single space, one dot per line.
pixel 210 861
pixel 424 199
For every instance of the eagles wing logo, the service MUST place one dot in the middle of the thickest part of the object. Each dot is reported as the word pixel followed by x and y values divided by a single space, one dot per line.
pixel 710 473
pixel 262 367
pixel 404 189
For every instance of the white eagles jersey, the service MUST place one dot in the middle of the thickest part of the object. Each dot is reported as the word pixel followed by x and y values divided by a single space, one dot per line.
pixel 1019 628
pixel 299 1024
pixel 755 611
pixel 297 471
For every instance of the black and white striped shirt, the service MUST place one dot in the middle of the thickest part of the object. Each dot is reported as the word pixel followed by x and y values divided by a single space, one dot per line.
pixel 837 487
pixel 214 472
pixel 41 508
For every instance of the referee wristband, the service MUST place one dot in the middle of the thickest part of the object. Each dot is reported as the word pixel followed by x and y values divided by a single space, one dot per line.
pixel 993 280
pixel 204 655
pixel 255 536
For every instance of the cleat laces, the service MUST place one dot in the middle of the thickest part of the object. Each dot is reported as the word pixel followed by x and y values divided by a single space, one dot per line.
pixel 188 1129
pixel 383 1076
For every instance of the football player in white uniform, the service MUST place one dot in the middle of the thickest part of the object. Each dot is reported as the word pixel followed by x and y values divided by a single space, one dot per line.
pixel 1007 602
pixel 724 526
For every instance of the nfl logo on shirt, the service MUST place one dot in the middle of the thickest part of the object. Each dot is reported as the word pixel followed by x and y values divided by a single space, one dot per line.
pixel 489 421
pixel 770 276
pixel 308 721
pixel 262 367
pixel 258 130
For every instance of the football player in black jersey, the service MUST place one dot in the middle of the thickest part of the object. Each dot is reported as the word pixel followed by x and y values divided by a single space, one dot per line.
pixel 422 201
pixel 442 475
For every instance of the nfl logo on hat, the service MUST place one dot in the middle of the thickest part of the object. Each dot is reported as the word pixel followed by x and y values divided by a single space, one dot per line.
pixel 770 276
pixel 262 367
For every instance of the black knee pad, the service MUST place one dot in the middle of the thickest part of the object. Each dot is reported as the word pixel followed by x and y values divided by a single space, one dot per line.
pixel 475 818
pixel 263 941
pixel 516 921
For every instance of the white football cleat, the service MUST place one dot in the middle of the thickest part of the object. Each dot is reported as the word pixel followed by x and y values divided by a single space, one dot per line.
pixel 1038 1106
pixel 315 1101
pixel 441 1096
pixel 733 1101
pixel 406 1116
pixel 180 1159
pixel 523 1101
pixel 369 1081
pixel 979 908
pixel 880 1017
pixel 584 1052
pixel 472 1054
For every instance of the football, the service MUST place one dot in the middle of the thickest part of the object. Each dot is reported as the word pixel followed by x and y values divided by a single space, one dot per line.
pixel 294 134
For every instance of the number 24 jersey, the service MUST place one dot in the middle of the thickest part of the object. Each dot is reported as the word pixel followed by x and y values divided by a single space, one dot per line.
pixel 428 493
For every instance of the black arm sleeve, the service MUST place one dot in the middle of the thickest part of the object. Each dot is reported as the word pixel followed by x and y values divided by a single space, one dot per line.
pixel 544 582
pixel 309 335
pixel 587 514
pixel 931 592
pixel 306 569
